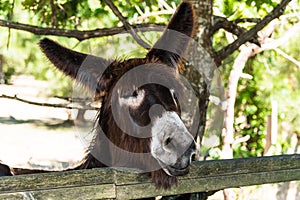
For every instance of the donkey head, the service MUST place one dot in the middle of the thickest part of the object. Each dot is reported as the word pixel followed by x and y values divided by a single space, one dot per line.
pixel 141 97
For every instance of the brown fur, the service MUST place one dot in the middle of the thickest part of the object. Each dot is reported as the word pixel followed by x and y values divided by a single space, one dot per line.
pixel 162 180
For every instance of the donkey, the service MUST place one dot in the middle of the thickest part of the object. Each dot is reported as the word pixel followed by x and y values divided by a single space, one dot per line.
pixel 139 123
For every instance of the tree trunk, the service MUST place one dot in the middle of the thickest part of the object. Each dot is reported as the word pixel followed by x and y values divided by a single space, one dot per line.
pixel 228 130
pixel 199 70
pixel 200 67
pixel 235 74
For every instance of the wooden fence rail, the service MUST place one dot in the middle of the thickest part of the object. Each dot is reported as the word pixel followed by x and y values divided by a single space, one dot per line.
pixel 127 183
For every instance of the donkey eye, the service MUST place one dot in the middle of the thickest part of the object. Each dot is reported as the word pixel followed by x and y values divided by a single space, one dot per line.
pixel 132 98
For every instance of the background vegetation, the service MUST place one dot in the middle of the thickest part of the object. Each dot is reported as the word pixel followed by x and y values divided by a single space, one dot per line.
pixel 272 77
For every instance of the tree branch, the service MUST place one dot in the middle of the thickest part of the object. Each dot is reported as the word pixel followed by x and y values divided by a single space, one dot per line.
pixel 85 107
pixel 166 9
pixel 249 20
pixel 232 27
pixel 128 27
pixel 288 57
pixel 144 16
pixel 246 36
pixel 80 35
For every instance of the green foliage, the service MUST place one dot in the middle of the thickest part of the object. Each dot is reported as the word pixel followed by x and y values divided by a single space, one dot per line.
pixel 233 9
pixel 252 108
pixel 285 78
pixel 58 13
pixel 245 8
pixel 8 73
pixel 274 79
pixel 6 8
pixel 75 13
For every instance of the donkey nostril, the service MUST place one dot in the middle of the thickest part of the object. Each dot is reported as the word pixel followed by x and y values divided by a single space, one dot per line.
pixel 168 141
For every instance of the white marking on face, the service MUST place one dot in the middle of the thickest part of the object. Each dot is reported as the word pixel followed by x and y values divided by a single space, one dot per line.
pixel 133 101
pixel 170 139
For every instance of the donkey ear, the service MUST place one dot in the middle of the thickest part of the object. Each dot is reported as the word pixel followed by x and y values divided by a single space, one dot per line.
pixel 64 59
pixel 173 44
pixel 86 69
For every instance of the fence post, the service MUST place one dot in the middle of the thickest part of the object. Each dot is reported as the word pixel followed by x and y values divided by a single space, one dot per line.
pixel 272 130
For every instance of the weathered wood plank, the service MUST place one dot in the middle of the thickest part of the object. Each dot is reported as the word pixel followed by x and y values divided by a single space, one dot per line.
pixel 204 169
pixel 129 183
pixel 106 191
pixel 211 183
pixel 54 180
pixel 86 192
pixel 12 196
pixel 215 175
pixel 245 165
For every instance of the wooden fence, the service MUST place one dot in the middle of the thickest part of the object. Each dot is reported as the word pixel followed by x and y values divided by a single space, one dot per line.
pixel 110 183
